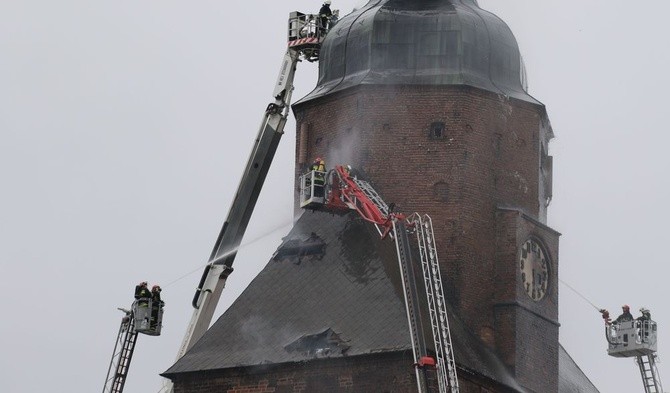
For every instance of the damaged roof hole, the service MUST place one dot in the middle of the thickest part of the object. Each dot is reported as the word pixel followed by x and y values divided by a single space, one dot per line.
pixel 295 249
pixel 324 344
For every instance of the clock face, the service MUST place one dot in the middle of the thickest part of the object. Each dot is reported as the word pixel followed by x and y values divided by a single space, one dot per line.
pixel 534 268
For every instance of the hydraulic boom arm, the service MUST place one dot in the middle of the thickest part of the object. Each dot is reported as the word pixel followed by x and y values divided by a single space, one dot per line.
pixel 305 36
pixel 221 260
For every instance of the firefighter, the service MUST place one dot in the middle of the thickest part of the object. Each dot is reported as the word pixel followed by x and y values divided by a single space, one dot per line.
pixel 319 169
pixel 139 289
pixel 142 294
pixel 352 172
pixel 325 14
pixel 625 315
pixel 156 304
pixel 643 325
pixel 318 165
pixel 646 315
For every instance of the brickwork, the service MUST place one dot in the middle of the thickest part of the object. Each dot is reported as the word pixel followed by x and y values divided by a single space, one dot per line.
pixel 488 156
pixel 356 374
pixel 458 154
pixel 388 373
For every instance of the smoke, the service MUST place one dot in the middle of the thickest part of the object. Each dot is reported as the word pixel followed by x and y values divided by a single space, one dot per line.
pixel 347 148
pixel 265 334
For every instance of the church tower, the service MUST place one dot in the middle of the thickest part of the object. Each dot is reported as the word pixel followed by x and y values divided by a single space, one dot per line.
pixel 427 100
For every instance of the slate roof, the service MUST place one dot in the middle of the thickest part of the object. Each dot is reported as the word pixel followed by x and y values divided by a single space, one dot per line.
pixel 571 379
pixel 344 299
pixel 347 290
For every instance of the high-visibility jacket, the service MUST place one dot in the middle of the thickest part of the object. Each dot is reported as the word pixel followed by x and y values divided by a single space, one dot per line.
pixel 142 294
pixel 320 168
pixel 141 291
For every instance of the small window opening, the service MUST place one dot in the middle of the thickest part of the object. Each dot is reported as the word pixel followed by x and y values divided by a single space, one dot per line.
pixel 497 144
pixel 441 192
pixel 437 130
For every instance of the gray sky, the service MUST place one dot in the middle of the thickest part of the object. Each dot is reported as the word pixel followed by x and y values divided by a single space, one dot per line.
pixel 125 126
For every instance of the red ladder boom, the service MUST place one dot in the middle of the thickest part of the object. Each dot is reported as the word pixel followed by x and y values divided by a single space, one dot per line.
pixel 340 193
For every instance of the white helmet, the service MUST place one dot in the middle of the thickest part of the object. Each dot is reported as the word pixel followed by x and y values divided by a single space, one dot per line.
pixel 327 2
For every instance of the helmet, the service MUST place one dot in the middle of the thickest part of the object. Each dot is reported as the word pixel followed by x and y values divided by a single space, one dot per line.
pixel 349 168
pixel 327 2
pixel 644 310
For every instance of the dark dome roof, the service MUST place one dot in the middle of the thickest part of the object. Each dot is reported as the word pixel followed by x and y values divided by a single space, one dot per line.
pixel 421 42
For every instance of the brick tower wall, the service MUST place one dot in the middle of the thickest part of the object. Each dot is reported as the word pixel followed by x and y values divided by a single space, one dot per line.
pixel 487 156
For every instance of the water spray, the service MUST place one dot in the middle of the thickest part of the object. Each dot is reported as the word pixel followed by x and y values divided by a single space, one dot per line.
pixel 229 252
pixel 580 295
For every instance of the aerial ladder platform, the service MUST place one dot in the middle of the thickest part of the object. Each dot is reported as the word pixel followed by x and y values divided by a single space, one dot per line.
pixel 636 339
pixel 338 191
pixel 138 319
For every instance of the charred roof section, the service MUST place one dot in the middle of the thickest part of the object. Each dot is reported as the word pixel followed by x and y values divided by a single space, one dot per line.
pixel 429 42
pixel 346 302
